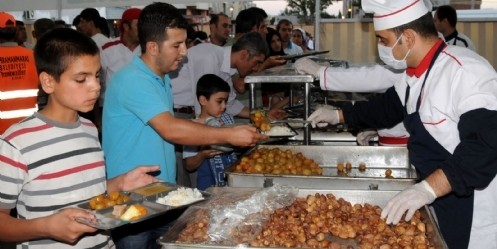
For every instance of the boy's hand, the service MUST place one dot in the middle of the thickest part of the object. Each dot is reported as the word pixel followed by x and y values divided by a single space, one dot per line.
pixel 61 226
pixel 139 177
pixel 244 135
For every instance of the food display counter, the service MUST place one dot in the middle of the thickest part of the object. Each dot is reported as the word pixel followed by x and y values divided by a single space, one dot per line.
pixel 376 159
pixel 283 74
pixel 255 230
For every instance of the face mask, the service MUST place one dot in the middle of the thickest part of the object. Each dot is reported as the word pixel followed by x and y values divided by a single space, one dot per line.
pixel 386 55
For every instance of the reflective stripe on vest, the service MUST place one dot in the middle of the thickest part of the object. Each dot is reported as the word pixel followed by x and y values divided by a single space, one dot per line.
pixel 18 94
pixel 17 113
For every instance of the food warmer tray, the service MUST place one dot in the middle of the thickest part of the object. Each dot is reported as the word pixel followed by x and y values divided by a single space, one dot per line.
pixel 377 159
pixel 379 197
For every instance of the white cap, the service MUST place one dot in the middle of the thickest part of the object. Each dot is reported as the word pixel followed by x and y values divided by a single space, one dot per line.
pixel 393 13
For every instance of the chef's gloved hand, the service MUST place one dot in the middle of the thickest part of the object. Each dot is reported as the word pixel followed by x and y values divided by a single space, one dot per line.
pixel 409 200
pixel 323 116
pixel 364 137
pixel 307 66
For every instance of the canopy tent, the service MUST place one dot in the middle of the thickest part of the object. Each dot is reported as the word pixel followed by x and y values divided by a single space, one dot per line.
pixel 23 5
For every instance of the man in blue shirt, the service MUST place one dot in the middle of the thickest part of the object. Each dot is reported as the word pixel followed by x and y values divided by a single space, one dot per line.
pixel 138 120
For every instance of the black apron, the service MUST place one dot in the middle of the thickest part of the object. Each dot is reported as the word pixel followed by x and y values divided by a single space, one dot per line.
pixel 454 213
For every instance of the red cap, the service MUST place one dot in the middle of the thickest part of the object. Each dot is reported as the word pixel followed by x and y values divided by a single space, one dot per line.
pixel 131 14
pixel 7 20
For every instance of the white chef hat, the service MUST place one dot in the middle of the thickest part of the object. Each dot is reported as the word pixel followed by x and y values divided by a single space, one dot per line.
pixel 393 13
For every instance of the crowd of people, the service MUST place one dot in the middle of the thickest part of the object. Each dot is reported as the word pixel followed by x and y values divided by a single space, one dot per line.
pixel 83 114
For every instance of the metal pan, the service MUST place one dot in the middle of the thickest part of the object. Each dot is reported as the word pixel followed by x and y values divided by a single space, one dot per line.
pixel 168 241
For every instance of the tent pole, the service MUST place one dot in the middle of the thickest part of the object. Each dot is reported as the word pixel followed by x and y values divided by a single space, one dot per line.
pixel 59 9
pixel 317 25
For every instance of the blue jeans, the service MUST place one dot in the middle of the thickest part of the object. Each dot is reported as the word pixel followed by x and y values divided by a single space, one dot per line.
pixel 144 234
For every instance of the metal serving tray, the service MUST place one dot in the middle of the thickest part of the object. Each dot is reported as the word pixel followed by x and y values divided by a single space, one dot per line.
pixel 380 198
pixel 146 196
pixel 377 159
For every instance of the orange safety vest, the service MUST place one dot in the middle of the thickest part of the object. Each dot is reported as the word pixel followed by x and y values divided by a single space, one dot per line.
pixel 18 85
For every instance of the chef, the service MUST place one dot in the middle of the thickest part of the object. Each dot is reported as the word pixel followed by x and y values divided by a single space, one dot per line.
pixel 448 101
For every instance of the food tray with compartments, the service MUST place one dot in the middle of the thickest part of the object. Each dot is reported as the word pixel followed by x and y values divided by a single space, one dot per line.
pixel 377 160
pixel 379 197
pixel 146 196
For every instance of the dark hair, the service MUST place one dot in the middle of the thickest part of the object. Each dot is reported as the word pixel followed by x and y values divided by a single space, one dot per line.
pixel 199 37
pixel 247 19
pixel 215 18
pixel 153 21
pixel 259 11
pixel 269 37
pixel 424 26
pixel 91 14
pixel 447 12
pixel 76 21
pixel 8 34
pixel 253 42
pixel 56 49
pixel 60 22
pixel 210 84
pixel 190 32
pixel 42 26
pixel 283 22
pixel 19 23
pixel 103 26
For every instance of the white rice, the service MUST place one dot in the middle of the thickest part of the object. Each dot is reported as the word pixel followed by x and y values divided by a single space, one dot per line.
pixel 279 131
pixel 181 196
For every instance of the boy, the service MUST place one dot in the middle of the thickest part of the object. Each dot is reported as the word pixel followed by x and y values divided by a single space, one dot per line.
pixel 212 94
pixel 52 159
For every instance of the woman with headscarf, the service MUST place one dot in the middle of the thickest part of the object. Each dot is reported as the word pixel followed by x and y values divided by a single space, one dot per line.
pixel 299 37
pixel 274 95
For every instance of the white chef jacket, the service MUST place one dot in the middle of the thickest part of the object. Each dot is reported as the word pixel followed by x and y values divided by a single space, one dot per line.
pixel 114 56
pixel 205 58
pixel 459 81
pixel 365 78
pixel 100 39
pixel 459 39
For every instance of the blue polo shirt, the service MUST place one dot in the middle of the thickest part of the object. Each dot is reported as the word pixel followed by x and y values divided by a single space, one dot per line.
pixel 134 96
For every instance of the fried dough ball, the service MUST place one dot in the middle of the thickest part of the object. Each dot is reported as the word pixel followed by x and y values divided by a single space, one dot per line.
pixel 310 222
pixel 277 162
pixel 362 167
pixel 108 200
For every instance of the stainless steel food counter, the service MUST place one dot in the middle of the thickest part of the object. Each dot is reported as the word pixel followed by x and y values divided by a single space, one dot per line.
pixel 283 74
pixel 380 198
pixel 376 158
